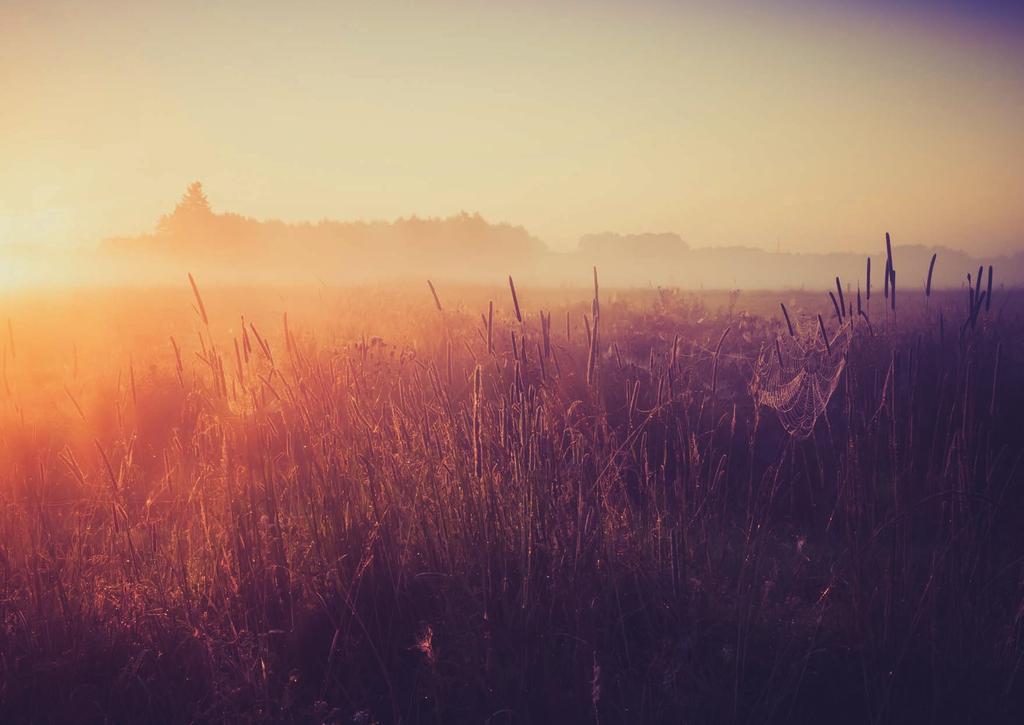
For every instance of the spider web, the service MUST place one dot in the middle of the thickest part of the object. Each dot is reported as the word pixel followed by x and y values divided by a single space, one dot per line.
pixel 799 386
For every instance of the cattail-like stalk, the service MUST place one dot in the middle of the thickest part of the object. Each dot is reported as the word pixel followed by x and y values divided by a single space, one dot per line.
pixel 859 309
pixel 593 353
pixel 477 400
pixel 490 327
pixel 239 370
pixel 988 297
pixel 246 345
pixel 785 313
pixel 842 300
pixel 888 271
pixel 995 379
pixel 179 369
pixel 595 337
pixel 892 273
pixel 262 343
pixel 838 309
pixel 515 298
pixel 824 335
pixel 863 314
pixel 433 291
pixel 977 297
pixel 868 287
pixel 199 302
pixel 931 269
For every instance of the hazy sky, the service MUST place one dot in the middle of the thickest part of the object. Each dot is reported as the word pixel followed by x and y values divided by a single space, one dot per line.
pixel 814 125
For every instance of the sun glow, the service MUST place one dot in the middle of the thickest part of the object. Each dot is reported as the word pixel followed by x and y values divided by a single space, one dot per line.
pixel 25 267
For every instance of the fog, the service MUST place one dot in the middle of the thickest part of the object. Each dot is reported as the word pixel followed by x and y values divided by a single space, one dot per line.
pixel 230 249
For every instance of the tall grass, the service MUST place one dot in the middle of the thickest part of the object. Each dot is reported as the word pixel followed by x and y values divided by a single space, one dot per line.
pixel 470 519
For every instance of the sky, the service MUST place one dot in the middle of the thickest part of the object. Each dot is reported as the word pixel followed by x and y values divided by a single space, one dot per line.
pixel 794 125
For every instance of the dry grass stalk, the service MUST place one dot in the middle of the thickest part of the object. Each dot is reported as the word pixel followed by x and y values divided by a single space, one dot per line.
pixel 836 307
pixel 433 292
pixel 515 299
pixel 824 335
pixel 789 323
pixel 201 308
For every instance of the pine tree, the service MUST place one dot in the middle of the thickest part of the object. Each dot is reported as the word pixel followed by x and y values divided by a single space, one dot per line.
pixel 192 214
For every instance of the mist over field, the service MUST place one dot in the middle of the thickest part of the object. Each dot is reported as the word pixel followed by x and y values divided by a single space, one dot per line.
pixel 222 247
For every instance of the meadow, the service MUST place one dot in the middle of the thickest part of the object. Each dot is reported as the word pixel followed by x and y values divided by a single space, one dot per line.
pixel 440 504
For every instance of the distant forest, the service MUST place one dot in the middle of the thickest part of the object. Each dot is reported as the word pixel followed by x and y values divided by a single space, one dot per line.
pixel 468 248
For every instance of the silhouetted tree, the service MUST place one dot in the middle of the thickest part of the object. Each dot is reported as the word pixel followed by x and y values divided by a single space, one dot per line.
pixel 192 214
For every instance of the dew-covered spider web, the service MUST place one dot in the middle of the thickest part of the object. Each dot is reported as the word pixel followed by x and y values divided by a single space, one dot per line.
pixel 796 375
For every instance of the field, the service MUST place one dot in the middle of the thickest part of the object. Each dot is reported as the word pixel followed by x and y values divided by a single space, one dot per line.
pixel 437 505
